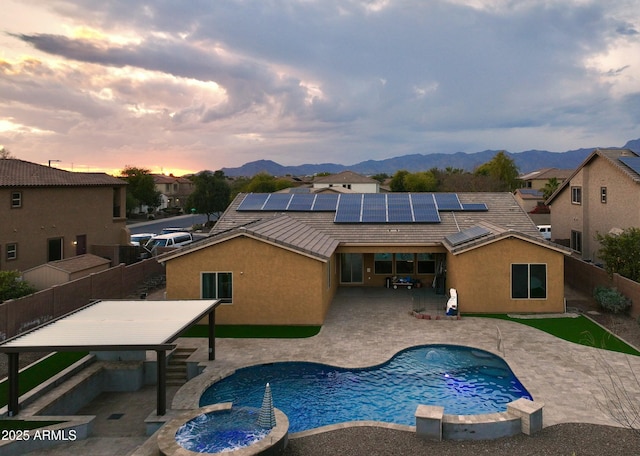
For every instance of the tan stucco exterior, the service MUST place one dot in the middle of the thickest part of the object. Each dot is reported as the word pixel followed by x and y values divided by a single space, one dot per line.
pixel 482 277
pixel 59 213
pixel 592 215
pixel 271 285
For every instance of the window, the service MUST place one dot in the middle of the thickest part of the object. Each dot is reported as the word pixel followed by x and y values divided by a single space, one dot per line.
pixel 12 252
pixel 404 263
pixel 603 195
pixel 16 199
pixel 217 285
pixel 426 263
pixel 576 195
pixel 383 263
pixel 528 281
pixel 576 241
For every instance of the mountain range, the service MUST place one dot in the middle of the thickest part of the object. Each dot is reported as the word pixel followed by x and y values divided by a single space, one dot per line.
pixel 526 161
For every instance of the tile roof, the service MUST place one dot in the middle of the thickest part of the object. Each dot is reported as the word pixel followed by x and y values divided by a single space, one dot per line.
pixel 612 155
pixel 503 210
pixel 20 173
pixel 547 173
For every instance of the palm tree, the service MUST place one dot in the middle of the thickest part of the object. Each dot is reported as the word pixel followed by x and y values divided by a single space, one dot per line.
pixel 550 187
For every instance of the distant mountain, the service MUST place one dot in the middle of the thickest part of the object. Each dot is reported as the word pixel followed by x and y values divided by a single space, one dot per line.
pixel 527 161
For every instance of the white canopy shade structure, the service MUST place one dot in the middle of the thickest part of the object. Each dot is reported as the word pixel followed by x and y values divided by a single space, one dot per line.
pixel 113 326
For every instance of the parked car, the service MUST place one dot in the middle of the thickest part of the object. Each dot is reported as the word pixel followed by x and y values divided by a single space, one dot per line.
pixel 141 238
pixel 168 240
pixel 545 230
pixel 169 230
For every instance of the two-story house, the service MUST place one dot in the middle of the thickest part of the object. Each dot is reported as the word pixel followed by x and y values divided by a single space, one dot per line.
pixel 601 196
pixel 48 214
pixel 174 190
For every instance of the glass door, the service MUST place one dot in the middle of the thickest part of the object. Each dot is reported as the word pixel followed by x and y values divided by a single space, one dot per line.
pixel 351 268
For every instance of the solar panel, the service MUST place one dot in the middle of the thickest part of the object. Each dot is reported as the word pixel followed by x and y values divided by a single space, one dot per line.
pixel 374 208
pixel 399 208
pixel 424 208
pixel 301 202
pixel 470 234
pixel 632 162
pixel 325 202
pixel 349 208
pixel 277 202
pixel 474 207
pixel 448 202
pixel 253 202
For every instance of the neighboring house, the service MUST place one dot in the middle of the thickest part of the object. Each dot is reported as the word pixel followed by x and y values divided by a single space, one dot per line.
pixel 174 190
pixel 349 180
pixel 530 197
pixel 63 271
pixel 50 214
pixel 536 180
pixel 601 196
pixel 279 258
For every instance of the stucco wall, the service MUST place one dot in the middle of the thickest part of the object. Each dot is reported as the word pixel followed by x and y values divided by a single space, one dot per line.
pixel 482 278
pixel 593 216
pixel 48 213
pixel 271 285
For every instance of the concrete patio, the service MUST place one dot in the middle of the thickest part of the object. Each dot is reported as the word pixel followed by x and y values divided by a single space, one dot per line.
pixel 368 326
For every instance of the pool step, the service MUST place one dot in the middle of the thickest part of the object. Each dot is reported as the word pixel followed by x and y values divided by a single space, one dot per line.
pixel 177 366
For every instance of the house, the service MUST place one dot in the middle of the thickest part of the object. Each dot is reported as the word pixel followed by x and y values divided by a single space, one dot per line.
pixel 348 180
pixel 62 271
pixel 531 196
pixel 174 190
pixel 601 196
pixel 50 214
pixel 279 258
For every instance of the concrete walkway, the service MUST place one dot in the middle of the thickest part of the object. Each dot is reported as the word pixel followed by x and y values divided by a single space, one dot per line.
pixel 365 327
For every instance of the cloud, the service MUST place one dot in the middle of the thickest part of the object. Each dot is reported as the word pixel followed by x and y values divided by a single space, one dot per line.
pixel 357 79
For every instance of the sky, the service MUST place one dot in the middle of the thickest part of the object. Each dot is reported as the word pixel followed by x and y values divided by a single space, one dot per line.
pixel 183 86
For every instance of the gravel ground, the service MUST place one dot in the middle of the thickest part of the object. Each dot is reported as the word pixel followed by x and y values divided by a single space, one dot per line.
pixel 562 439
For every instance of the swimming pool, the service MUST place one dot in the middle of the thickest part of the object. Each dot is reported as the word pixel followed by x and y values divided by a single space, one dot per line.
pixel 463 380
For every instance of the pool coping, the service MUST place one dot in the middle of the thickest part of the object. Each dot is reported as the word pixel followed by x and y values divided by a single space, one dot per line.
pixel 275 439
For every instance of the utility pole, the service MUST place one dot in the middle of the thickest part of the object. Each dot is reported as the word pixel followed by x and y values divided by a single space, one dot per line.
pixel 51 161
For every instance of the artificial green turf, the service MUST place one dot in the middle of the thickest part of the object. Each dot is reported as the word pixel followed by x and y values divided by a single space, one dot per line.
pixel 40 372
pixel 254 331
pixel 580 330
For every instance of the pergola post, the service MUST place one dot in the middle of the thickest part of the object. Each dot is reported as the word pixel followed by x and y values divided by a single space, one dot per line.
pixel 212 335
pixel 162 383
pixel 14 386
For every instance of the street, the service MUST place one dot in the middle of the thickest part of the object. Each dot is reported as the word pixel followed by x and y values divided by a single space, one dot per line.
pixel 180 221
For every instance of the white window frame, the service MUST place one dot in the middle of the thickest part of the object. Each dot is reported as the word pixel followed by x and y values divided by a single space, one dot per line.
pixel 576 195
pixel 12 251
pixel 16 200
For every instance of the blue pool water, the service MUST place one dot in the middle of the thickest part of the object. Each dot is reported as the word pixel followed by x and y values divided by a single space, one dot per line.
pixel 223 430
pixel 464 381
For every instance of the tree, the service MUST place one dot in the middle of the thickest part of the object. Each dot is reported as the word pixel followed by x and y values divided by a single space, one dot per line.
pixel 12 286
pixel 420 182
pixel 141 189
pixel 621 253
pixel 503 170
pixel 397 181
pixel 211 194
pixel 262 183
pixel 550 187
pixel 380 177
pixel 5 153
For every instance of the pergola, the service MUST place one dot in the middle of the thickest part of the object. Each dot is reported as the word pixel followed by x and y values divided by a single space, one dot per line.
pixel 113 326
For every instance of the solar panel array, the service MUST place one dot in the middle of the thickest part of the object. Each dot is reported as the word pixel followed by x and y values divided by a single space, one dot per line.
pixel 470 234
pixel 363 207
pixel 632 162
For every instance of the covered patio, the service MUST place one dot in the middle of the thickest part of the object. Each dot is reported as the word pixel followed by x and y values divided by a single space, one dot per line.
pixel 113 326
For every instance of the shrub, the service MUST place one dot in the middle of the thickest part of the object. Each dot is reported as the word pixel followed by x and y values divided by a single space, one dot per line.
pixel 611 300
pixel 12 286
